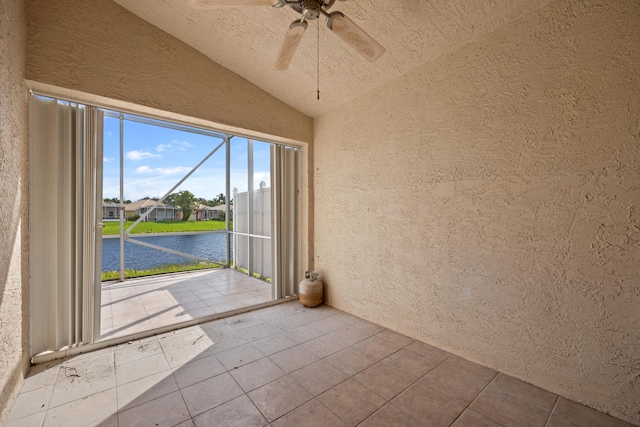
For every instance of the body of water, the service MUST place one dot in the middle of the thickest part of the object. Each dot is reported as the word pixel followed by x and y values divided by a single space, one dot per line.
pixel 210 246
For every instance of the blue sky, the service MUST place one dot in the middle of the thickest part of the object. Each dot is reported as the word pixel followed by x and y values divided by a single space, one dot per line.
pixel 156 158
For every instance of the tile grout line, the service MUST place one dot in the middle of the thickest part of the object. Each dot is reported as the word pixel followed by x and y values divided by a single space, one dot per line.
pixel 404 389
pixel 288 374
pixel 475 398
pixel 552 409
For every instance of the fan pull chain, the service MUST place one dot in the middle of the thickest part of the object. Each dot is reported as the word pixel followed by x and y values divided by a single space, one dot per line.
pixel 318 62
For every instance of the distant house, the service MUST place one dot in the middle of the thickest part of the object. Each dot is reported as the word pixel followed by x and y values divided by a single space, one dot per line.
pixel 110 211
pixel 204 212
pixel 162 213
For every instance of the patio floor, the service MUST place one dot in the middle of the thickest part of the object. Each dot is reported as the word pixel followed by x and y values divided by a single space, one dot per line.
pixel 285 365
pixel 142 304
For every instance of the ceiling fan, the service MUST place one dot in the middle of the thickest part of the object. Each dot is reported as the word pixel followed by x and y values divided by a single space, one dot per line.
pixel 309 10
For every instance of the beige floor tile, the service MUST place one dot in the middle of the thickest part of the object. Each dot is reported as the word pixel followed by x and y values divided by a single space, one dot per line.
pixel 324 346
pixel 141 368
pixel 187 423
pixel 311 414
pixel 509 410
pixel 130 319
pixel 82 377
pixel 384 380
pixel 225 343
pixel 42 375
pixel 217 328
pixel 197 370
pixel 99 409
pixel 34 420
pixel 279 397
pixel 350 361
pixel 351 401
pixel 318 377
pixel 240 412
pixel 429 352
pixel 571 414
pixel 255 332
pixel 424 383
pixel 328 324
pixel 185 298
pixel 454 384
pixel 135 350
pixel 347 318
pixel 145 390
pixel 256 374
pixel 30 402
pixel 532 394
pixel 409 363
pixel 209 294
pixel 350 335
pixel 310 315
pixel 274 343
pixel 471 418
pixel 390 415
pixel 428 406
pixel 469 368
pixel 395 338
pixel 199 312
pixel 213 301
pixel 164 411
pixel 128 328
pixel 186 347
pixel 377 348
pixel 210 393
pixel 239 356
pixel 301 334
pixel 369 327
pixel 294 358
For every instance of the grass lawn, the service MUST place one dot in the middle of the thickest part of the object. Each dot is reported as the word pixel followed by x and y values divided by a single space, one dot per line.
pixel 113 227
pixel 163 269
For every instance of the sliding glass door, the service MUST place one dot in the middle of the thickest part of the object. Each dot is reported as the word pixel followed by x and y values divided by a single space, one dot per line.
pixel 117 197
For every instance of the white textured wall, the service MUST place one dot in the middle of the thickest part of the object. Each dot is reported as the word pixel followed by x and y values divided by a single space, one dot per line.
pixel 489 202
pixel 14 176
pixel 99 48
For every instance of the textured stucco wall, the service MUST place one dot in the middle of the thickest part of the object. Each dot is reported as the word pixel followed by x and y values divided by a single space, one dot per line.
pixel 489 202
pixel 100 48
pixel 14 361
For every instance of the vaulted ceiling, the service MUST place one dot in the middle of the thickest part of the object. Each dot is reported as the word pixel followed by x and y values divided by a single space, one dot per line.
pixel 246 41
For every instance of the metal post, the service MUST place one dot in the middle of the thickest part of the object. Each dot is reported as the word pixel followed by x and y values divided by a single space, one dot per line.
pixel 250 206
pixel 122 212
pixel 227 190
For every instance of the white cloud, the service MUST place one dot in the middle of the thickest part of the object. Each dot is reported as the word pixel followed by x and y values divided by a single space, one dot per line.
pixel 182 144
pixel 140 155
pixel 163 171
pixel 107 159
pixel 175 145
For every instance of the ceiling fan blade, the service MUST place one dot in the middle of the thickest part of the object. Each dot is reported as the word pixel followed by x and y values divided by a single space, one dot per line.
pixel 355 36
pixel 289 45
pixel 214 4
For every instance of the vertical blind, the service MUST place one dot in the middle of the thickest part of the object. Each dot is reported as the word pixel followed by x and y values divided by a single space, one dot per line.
pixel 64 221
pixel 285 172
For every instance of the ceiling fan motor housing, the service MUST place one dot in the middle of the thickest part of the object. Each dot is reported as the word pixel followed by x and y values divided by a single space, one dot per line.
pixel 311 9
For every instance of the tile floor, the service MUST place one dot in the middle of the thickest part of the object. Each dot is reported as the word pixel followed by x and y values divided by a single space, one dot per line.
pixel 285 365
pixel 146 303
